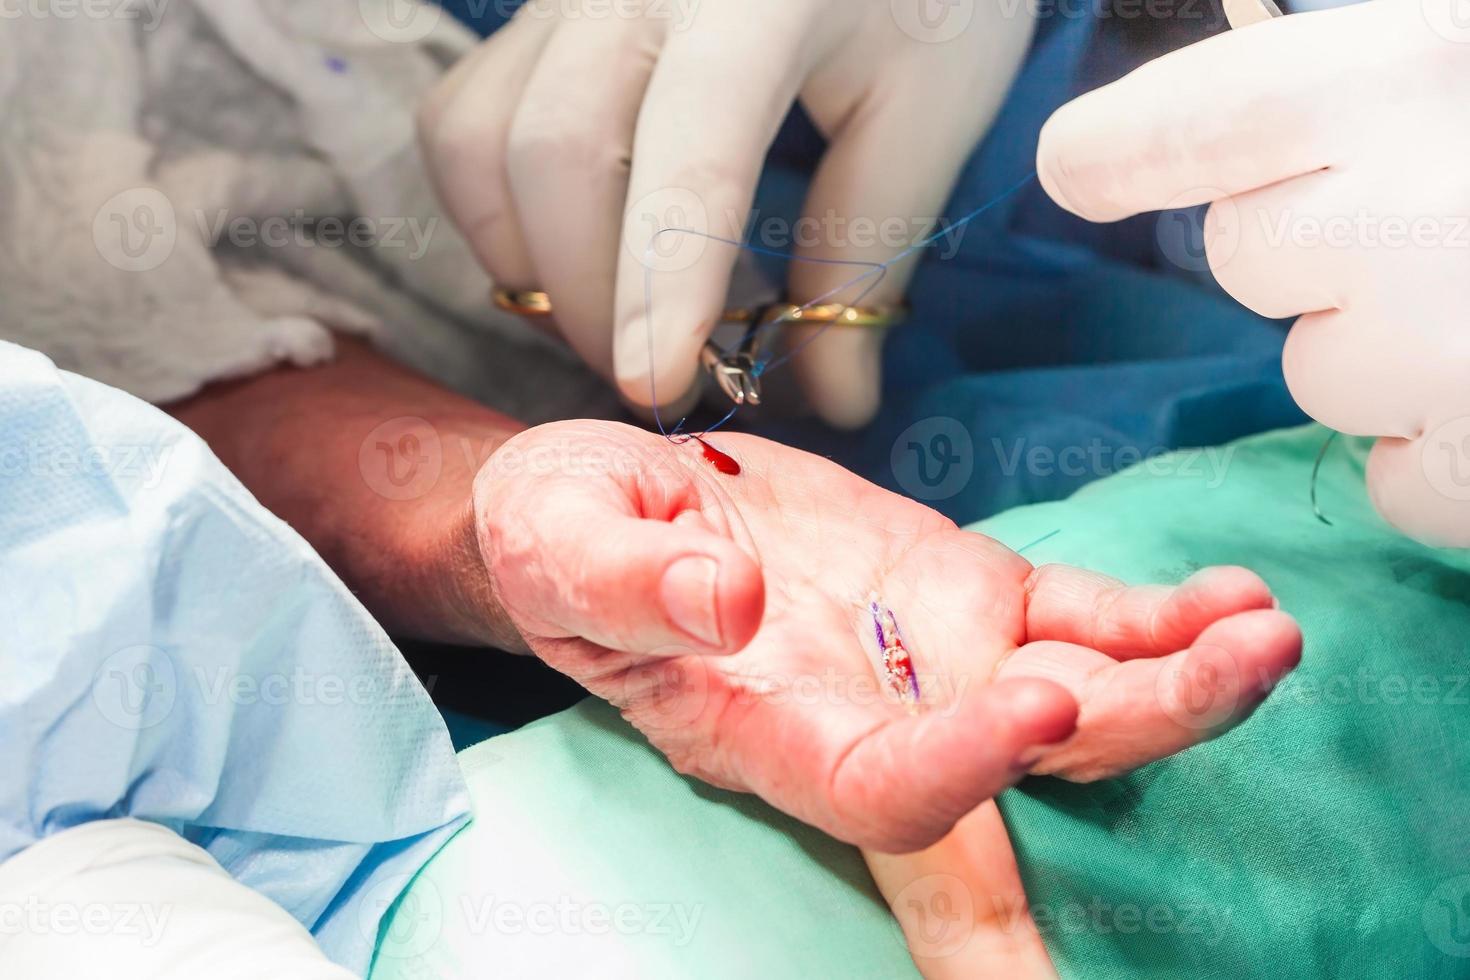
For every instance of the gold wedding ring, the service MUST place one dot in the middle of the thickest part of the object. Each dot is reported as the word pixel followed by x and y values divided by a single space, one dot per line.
pixel 533 302
pixel 737 372
pixel 822 314
pixel 526 302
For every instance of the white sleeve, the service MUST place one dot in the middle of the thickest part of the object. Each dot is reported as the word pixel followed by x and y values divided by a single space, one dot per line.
pixel 100 267
pixel 131 900
pixel 206 192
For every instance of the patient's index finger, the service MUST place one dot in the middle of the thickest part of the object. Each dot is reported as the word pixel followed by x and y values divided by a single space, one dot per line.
pixel 1234 112
pixel 1072 605
pixel 1140 711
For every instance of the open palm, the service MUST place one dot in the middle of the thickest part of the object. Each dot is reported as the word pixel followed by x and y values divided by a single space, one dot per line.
pixel 730 618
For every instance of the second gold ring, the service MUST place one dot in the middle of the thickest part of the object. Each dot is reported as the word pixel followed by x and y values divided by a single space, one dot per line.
pixel 533 302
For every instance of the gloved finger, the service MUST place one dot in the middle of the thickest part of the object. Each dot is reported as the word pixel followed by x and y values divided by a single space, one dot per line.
pixel 568 156
pixel 1364 371
pixel 905 784
pixel 1266 248
pixel 1072 605
pixel 1229 114
pixel 573 564
pixel 1139 711
pixel 696 168
pixel 879 191
pixel 864 206
pixel 464 128
pixel 840 369
pixel 1422 486
pixel 869 179
pixel 1389 362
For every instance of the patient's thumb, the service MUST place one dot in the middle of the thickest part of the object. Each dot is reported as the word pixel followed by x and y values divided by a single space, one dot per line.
pixel 649 587
pixel 1422 486
pixel 907 784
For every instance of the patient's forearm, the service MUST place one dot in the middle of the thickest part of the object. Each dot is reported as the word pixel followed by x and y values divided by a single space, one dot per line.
pixel 374 466
pixel 962 906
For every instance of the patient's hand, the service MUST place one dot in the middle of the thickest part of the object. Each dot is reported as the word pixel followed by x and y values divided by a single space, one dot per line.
pixel 727 616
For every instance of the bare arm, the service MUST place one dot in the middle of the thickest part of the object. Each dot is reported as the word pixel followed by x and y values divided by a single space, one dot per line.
pixel 962 905
pixel 347 454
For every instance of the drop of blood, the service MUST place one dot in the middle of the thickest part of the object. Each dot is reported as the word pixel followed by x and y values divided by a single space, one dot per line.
pixel 719 460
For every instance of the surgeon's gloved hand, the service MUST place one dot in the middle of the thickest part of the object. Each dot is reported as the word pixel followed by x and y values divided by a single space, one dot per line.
pixel 728 617
pixel 573 135
pixel 1333 146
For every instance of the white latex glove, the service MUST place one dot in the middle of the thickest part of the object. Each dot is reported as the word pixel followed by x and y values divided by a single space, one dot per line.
pixel 572 135
pixel 1334 148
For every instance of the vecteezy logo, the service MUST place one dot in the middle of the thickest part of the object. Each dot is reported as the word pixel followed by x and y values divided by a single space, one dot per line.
pixel 402 922
pixel 136 687
pixel 1181 239
pixel 1194 238
pixel 1446 916
pixel 136 231
pixel 933 21
pixel 666 231
pixel 1457 456
pixel 933 459
pixel 941 450
pixel 400 21
pixel 402 458
pixel 1450 19
pixel 669 691
pixel 405 452
pixel 1445 458
pixel 937 913
pixel 1202 690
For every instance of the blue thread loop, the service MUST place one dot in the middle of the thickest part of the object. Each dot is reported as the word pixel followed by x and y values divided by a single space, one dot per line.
pixel 877 271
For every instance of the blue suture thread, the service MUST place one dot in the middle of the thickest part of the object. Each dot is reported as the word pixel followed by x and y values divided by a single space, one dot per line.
pixel 875 270
pixel 1044 538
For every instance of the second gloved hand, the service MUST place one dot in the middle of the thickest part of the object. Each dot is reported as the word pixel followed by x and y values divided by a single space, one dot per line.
pixel 578 132
pixel 1333 148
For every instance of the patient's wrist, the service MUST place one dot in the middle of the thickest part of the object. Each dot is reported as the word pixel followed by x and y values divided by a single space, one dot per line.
pixel 374 466
pixel 464 606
